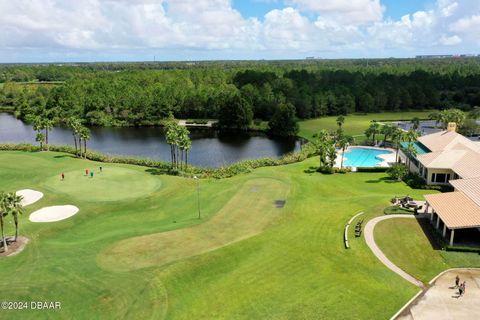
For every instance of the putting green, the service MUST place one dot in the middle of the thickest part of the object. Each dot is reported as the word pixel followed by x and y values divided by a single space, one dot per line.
pixel 113 184
pixel 249 212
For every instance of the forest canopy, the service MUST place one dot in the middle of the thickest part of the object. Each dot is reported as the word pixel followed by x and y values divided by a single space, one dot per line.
pixel 109 94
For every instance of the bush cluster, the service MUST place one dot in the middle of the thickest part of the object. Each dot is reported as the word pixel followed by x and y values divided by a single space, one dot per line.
pixel 397 210
pixel 415 181
pixel 372 169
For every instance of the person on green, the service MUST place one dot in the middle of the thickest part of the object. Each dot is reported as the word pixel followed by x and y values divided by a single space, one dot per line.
pixel 91 174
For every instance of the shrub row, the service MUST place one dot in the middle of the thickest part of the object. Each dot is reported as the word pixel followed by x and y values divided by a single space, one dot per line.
pixel 462 249
pixel 372 169
pixel 415 181
pixel 397 210
pixel 308 150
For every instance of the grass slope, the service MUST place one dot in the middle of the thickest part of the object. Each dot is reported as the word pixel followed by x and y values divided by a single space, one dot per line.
pixel 355 124
pixel 406 244
pixel 247 213
pixel 295 268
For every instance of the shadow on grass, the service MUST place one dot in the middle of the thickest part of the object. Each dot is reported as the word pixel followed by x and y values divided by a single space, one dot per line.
pixel 384 179
pixel 156 172
pixel 430 233
pixel 310 170
pixel 64 156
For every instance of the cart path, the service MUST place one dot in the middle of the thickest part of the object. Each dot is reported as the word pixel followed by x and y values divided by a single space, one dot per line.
pixel 370 240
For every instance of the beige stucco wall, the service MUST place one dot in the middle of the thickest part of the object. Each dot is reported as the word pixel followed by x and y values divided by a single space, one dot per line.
pixel 431 171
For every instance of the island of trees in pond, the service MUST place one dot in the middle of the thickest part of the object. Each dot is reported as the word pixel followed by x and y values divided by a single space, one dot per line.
pixel 237 93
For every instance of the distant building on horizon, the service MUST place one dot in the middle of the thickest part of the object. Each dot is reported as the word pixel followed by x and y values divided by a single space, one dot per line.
pixel 445 56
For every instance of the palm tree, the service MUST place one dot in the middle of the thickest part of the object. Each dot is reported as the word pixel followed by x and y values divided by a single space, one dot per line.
pixel 184 144
pixel 85 136
pixel 38 126
pixel 332 155
pixel 40 138
pixel 412 153
pixel 411 135
pixel 373 130
pixel 343 143
pixel 322 143
pixel 387 131
pixel 75 125
pixel 47 125
pixel 15 208
pixel 398 136
pixel 3 214
pixel 452 115
pixel 415 123
pixel 340 121
pixel 173 137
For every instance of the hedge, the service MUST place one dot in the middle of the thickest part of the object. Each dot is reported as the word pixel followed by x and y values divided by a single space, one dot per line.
pixel 372 169
pixel 462 249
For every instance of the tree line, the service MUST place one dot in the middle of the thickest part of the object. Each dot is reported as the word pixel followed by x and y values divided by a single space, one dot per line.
pixel 238 93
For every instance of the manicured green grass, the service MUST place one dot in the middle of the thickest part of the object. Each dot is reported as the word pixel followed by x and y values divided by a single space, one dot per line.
pixel 407 245
pixel 112 184
pixel 248 213
pixel 355 124
pixel 291 265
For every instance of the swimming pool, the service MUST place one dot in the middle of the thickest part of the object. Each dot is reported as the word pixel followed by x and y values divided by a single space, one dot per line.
pixel 364 157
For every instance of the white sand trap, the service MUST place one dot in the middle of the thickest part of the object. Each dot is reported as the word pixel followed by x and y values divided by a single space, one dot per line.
pixel 29 196
pixel 52 214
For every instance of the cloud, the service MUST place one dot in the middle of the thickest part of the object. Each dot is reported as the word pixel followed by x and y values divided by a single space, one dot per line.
pixel 466 24
pixel 215 29
pixel 344 11
pixel 450 41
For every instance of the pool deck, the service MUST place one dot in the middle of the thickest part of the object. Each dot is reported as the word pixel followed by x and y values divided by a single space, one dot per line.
pixel 388 159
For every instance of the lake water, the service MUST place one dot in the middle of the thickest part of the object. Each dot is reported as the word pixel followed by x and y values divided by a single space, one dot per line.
pixel 209 147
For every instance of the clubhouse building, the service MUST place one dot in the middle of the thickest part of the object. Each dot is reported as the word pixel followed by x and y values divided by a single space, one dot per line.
pixel 448 158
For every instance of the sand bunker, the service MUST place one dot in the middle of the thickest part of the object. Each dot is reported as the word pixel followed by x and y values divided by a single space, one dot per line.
pixel 29 196
pixel 52 214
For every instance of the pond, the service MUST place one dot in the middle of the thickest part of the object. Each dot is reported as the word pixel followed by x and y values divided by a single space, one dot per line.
pixel 210 148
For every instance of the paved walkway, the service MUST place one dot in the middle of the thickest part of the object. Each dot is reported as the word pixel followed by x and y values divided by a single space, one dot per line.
pixel 442 302
pixel 369 238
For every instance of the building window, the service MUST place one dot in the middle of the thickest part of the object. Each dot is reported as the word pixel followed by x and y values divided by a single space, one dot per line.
pixel 448 178
pixel 440 177
pixel 433 177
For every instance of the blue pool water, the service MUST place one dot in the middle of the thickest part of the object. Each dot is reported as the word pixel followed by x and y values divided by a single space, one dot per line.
pixel 363 157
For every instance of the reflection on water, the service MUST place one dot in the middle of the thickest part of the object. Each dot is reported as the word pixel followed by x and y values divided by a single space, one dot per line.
pixel 209 148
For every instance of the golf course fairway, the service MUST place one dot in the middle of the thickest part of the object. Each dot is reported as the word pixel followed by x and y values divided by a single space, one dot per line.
pixel 137 250
pixel 247 213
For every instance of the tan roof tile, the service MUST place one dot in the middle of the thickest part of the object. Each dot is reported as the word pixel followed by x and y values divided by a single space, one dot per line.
pixel 470 187
pixel 455 209
pixel 447 140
